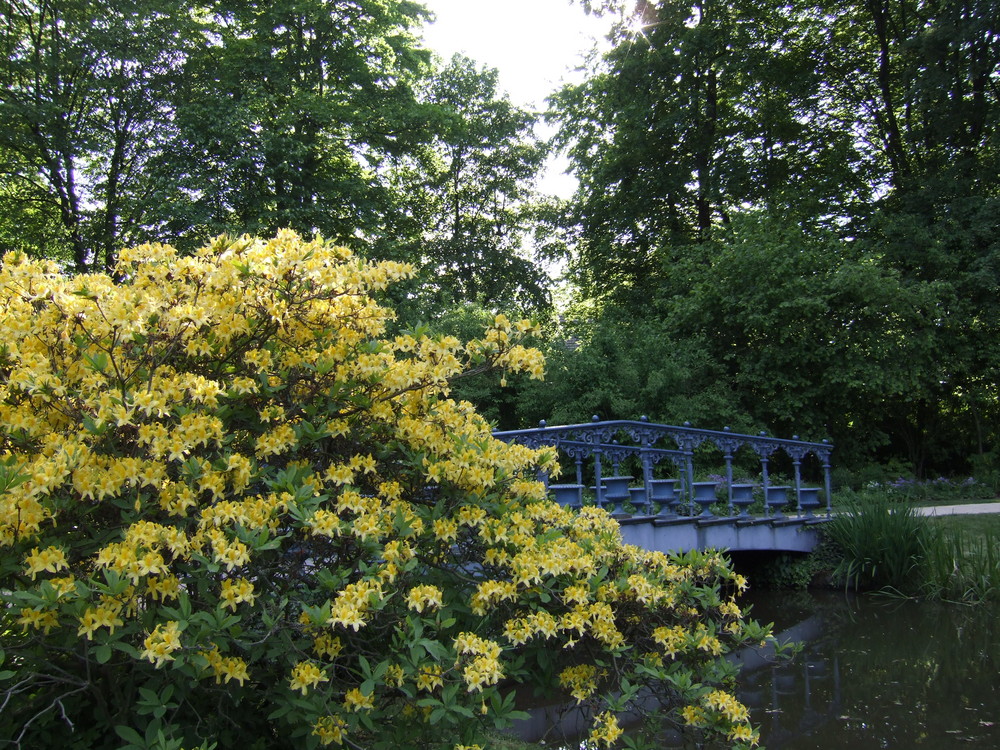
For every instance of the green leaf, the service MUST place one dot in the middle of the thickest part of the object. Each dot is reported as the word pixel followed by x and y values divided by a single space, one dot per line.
pixel 102 653
pixel 130 735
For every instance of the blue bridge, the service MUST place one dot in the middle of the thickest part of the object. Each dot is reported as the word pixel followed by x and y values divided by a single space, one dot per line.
pixel 675 513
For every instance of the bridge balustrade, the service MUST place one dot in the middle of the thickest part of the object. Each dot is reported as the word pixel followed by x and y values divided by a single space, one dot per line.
pixel 601 442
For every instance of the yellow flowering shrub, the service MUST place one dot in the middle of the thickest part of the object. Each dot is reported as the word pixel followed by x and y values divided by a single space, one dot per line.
pixel 238 507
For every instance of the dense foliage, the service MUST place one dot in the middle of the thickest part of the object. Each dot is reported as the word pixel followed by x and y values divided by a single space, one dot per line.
pixel 235 512
pixel 806 193
pixel 173 122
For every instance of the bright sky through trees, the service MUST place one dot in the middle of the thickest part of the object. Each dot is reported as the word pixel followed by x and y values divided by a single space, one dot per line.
pixel 535 45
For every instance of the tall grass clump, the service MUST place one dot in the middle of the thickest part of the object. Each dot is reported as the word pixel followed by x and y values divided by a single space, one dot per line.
pixel 882 542
pixel 961 566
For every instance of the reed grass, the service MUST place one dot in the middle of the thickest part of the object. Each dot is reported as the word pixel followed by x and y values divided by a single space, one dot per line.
pixel 960 565
pixel 882 542
pixel 886 545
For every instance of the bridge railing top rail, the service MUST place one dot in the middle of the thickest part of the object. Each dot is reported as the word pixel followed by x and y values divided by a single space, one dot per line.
pixel 646 433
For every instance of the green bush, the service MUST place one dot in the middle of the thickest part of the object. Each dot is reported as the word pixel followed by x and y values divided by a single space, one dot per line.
pixel 234 512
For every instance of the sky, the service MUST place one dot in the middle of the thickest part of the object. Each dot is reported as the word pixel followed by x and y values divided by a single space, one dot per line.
pixel 534 44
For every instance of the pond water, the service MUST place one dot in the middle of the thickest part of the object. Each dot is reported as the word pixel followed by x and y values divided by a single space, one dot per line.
pixel 873 674
pixel 876 673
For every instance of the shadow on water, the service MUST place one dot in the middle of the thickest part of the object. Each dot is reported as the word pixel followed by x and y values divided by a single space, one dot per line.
pixel 877 673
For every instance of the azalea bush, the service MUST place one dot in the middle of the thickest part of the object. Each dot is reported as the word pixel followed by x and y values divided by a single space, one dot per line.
pixel 236 511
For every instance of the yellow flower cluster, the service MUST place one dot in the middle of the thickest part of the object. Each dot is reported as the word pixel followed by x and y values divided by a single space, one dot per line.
pixel 395 676
pixel 580 680
pixel 706 641
pixel 727 705
pixel 429 677
pixel 673 639
pixel 160 645
pixel 38 618
pixel 162 589
pixel 606 730
pixel 103 616
pixel 484 667
pixel 226 667
pixel 306 675
pixel 421 597
pixel 356 700
pixel 331 730
pixel 51 559
pixel 597 619
pixel 720 705
pixel 236 591
pixel 694 716
pixel 744 733
pixel 327 645
pixel 353 603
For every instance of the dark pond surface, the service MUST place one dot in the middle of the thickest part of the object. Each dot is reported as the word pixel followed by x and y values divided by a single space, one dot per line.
pixel 876 673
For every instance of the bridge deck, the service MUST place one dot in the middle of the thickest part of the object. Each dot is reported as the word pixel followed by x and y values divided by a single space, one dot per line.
pixel 736 534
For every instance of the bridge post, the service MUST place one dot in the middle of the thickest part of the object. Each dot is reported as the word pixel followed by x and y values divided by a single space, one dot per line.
pixel 598 481
pixel 647 472
pixel 728 446
pixel 825 458
pixel 766 483
pixel 687 441
pixel 797 454
pixel 764 448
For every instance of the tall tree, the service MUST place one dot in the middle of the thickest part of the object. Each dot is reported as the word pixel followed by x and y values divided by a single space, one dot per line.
pixel 288 111
pixel 870 124
pixel 468 195
pixel 698 110
pixel 82 93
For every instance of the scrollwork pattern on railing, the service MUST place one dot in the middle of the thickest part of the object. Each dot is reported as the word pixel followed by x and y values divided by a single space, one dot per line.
pixel 609 441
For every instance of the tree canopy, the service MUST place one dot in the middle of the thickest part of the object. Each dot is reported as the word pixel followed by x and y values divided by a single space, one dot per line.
pixel 809 191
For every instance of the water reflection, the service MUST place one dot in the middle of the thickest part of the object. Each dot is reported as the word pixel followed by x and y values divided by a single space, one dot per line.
pixel 877 674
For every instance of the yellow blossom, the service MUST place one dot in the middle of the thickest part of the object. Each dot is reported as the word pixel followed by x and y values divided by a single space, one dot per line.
pixel 38 618
pixel 422 597
pixel 394 676
pixel 606 730
pixel 580 680
pixel 327 645
pixel 330 730
pixel 306 675
pixel 355 700
pixel 98 617
pixel 50 559
pixel 429 677
pixel 236 591
pixel 160 645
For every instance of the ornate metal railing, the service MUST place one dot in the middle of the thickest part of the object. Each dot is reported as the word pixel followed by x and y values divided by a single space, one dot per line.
pixel 615 440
